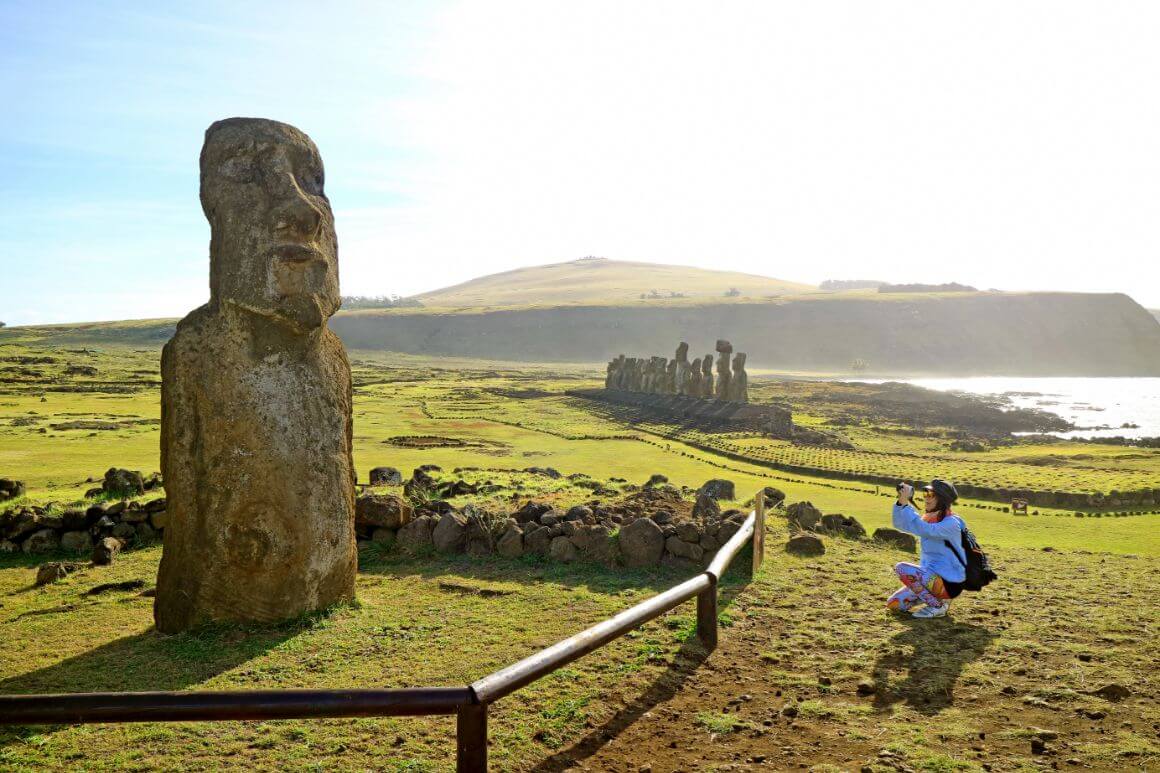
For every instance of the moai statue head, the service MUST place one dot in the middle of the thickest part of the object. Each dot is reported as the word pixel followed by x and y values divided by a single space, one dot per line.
pixel 724 347
pixel 272 247
pixel 739 362
pixel 707 366
pixel 682 352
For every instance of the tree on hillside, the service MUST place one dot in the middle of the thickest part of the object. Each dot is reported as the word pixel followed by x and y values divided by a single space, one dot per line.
pixel 3 324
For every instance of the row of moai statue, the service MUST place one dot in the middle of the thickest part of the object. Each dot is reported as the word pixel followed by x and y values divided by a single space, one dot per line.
pixel 660 375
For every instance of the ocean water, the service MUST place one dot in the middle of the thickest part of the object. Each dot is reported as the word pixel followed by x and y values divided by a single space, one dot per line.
pixel 1099 407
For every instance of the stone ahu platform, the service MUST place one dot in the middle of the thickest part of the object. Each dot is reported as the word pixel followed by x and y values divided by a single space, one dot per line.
pixel 766 418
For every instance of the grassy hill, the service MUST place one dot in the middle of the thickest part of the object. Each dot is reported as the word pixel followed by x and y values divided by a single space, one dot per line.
pixel 603 281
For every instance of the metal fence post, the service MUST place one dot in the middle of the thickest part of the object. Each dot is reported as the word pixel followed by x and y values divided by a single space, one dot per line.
pixel 471 739
pixel 707 615
pixel 759 531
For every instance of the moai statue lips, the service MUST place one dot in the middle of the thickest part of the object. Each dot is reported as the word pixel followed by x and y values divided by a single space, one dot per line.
pixel 256 398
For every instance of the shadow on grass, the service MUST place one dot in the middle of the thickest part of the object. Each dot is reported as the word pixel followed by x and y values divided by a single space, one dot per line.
pixel 933 654
pixel 149 661
pixel 663 688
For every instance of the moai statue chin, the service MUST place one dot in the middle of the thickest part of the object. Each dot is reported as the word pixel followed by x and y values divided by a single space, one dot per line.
pixel 256 397
pixel 739 387
pixel 724 377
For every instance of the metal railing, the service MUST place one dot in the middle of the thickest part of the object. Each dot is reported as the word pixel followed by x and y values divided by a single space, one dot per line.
pixel 468 703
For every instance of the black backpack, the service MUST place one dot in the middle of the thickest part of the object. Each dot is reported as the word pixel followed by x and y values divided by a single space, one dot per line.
pixel 977 564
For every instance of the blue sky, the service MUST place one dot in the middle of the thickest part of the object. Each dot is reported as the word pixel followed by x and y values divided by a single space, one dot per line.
pixel 1008 146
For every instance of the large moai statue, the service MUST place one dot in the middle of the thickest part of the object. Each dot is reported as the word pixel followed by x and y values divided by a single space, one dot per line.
pixel 724 377
pixel 615 373
pixel 256 397
pixel 693 389
pixel 707 376
pixel 636 376
pixel 739 388
pixel 681 377
pixel 671 378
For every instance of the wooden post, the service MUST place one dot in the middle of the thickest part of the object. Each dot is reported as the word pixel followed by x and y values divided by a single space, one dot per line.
pixel 471 739
pixel 707 616
pixel 759 531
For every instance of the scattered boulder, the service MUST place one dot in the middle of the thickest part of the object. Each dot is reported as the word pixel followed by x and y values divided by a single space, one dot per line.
pixel 53 571
pixel 1112 692
pixel 718 488
pixel 773 496
pixel 803 515
pixel 450 533
pixel 415 537
pixel 678 547
pixel 421 482
pixel 562 549
pixel 478 540
pixel 76 542
pixel 123 483
pixel 578 513
pixel 595 542
pixel 10 489
pixel 898 539
pixel 688 531
pixel 386 476
pixel 383 536
pixel 641 543
pixel 706 507
pixel 124 532
pixel 75 520
pixel 805 545
pixel 144 534
pixel 373 511
pixel 530 512
pixel 536 539
pixel 511 542
pixel 843 526
pixel 655 479
pixel 105 550
pixel 43 541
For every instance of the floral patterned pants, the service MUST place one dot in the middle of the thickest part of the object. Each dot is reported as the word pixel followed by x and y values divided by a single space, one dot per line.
pixel 918 586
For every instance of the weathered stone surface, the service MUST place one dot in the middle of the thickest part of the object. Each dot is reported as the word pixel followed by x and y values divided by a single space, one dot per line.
pixel 706 507
pixel 803 515
pixel 123 483
pixel 386 476
pixel 537 539
pixel 125 532
pixel 727 530
pixel 710 543
pixel 389 511
pixel 53 571
pixel 145 534
pixel 75 520
pixel 478 540
pixel 159 519
pixel 256 397
pixel 718 488
pixel 105 550
pixel 688 531
pixel 773 496
pixel 898 539
pixel 43 541
pixel 561 549
pixel 531 511
pixel 511 542
pixel 641 543
pixel 842 525
pixel 385 537
pixel 739 381
pixel 450 534
pixel 724 375
pixel 415 537
pixel 805 545
pixel 689 550
pixel 595 543
pixel 578 513
pixel 655 479
pixel 76 542
pixel 10 489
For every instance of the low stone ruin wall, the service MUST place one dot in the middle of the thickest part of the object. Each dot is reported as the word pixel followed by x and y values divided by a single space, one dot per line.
pixel 765 418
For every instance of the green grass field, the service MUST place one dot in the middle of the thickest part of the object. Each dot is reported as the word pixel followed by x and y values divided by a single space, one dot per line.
pixel 1019 660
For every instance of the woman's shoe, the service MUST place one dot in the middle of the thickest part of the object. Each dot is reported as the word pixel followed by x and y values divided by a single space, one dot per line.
pixel 928 612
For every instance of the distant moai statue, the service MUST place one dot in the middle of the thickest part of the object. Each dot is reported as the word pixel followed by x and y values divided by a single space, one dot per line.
pixel 681 377
pixel 724 377
pixel 739 389
pixel 615 373
pixel 707 376
pixel 256 397
pixel 660 365
pixel 693 388
pixel 636 376
pixel 671 378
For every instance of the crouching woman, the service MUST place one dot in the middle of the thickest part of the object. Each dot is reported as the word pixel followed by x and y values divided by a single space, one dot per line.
pixel 927 588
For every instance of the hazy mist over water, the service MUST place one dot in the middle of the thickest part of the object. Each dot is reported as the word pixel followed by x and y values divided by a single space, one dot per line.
pixel 1099 407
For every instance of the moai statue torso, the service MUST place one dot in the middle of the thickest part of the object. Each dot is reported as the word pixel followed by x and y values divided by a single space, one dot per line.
pixel 707 376
pixel 256 397
pixel 724 377
pixel 693 387
pixel 681 377
pixel 671 378
pixel 739 389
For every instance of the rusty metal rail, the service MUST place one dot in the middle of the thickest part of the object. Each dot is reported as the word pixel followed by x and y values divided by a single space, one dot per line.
pixel 468 703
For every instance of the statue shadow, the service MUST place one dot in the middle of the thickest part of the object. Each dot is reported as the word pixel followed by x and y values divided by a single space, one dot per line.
pixel 148 661
pixel 932 653
pixel 666 685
